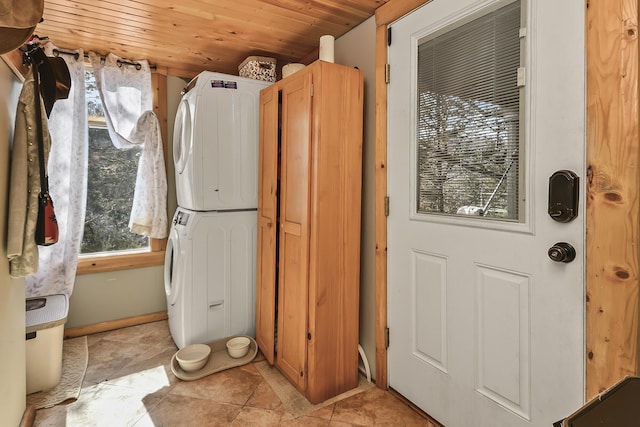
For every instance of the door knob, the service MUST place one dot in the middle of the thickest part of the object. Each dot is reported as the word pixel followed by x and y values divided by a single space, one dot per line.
pixel 562 252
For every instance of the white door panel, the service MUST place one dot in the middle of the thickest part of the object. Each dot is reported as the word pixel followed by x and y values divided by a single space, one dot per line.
pixel 486 330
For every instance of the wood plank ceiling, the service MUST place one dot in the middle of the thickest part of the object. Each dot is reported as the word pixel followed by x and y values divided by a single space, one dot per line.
pixel 184 37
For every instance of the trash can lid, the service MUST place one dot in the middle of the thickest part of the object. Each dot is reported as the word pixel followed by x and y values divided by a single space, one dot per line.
pixel 52 313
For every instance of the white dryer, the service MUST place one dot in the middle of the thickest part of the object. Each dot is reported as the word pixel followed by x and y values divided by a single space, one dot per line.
pixel 209 275
pixel 215 143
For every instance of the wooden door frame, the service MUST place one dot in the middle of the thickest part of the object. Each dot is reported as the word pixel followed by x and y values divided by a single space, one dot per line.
pixel 612 190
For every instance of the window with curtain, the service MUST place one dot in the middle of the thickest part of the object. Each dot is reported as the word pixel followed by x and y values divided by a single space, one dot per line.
pixel 111 179
pixel 468 118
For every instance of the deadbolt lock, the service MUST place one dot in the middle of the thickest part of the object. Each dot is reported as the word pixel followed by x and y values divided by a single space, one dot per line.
pixel 563 196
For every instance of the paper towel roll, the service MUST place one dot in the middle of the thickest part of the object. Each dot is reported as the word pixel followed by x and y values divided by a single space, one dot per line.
pixel 326 48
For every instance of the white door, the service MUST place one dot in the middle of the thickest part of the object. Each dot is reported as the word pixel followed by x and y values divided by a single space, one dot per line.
pixel 485 329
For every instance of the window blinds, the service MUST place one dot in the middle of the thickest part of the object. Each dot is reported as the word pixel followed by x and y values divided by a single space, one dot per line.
pixel 468 118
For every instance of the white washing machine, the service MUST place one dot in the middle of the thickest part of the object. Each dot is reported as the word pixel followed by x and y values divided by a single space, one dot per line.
pixel 209 275
pixel 215 143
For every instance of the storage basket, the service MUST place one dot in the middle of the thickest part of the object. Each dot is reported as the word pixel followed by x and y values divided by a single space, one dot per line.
pixel 258 68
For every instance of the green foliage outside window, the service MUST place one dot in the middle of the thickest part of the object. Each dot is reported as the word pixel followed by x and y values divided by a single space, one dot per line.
pixel 111 178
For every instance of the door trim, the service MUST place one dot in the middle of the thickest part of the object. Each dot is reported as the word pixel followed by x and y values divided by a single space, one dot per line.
pixel 612 184
pixel 613 208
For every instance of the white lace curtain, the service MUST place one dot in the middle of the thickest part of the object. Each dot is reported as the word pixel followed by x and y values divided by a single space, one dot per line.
pixel 67 184
pixel 125 91
pixel 127 100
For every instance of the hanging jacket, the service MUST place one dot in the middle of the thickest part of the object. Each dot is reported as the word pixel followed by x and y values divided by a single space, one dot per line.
pixel 24 184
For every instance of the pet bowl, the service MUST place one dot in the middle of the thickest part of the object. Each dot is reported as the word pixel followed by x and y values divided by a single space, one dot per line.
pixel 238 347
pixel 193 357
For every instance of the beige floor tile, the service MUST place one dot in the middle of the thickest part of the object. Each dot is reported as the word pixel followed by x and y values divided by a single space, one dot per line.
pixel 148 333
pixel 185 411
pixel 145 373
pixel 265 398
pixel 315 422
pixel 158 379
pixel 102 405
pixel 324 413
pixel 375 407
pixel 257 417
pixel 107 357
pixel 129 382
pixel 234 386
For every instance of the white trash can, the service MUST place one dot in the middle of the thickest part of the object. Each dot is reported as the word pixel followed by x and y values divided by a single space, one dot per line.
pixel 45 319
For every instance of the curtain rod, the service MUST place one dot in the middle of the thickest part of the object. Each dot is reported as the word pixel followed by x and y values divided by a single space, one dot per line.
pixel 121 62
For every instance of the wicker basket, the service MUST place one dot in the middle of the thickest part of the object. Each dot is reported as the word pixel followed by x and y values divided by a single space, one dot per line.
pixel 258 68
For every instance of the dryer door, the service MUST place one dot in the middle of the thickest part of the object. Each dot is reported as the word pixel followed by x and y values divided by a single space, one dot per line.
pixel 182 136
pixel 171 267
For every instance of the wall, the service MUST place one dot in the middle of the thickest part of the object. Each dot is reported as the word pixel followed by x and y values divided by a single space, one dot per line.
pixel 12 295
pixel 113 295
pixel 357 48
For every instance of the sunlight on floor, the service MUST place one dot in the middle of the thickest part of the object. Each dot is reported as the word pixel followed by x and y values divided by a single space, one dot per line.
pixel 129 383
pixel 127 397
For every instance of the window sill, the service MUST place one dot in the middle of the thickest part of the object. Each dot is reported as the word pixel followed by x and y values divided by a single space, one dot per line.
pixel 100 264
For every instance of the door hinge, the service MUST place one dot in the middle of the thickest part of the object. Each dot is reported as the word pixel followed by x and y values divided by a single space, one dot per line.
pixel 389 36
pixel 387 73
pixel 386 337
pixel 386 205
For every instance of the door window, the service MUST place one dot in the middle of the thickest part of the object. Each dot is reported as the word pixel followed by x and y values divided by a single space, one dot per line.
pixel 468 120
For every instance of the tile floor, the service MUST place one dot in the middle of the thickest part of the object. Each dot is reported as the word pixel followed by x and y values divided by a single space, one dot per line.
pixel 129 383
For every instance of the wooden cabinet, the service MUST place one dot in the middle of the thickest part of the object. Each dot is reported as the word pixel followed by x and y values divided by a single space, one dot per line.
pixel 308 275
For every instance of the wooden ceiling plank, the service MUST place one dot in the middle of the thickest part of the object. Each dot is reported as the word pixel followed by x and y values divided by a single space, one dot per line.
pixel 236 27
pixel 157 17
pixel 326 10
pixel 294 49
pixel 207 36
pixel 188 36
pixel 137 46
pixel 244 10
pixel 274 10
pixel 158 54
pixel 136 49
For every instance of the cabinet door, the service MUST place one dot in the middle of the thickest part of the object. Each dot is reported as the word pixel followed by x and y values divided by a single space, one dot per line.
pixel 294 229
pixel 267 220
pixel 334 239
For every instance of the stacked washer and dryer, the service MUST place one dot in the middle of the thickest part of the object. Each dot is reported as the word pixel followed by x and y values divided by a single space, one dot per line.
pixel 210 261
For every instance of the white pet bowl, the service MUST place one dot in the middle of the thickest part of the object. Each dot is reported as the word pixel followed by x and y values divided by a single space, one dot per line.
pixel 193 357
pixel 238 347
